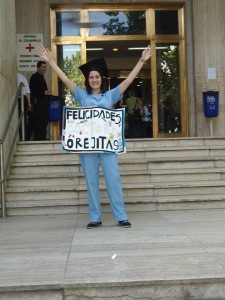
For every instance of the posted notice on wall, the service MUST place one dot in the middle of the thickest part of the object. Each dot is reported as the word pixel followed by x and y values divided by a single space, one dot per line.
pixel 27 45
pixel 93 129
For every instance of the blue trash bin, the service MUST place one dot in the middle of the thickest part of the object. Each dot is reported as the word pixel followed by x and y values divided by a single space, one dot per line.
pixel 211 104
pixel 54 109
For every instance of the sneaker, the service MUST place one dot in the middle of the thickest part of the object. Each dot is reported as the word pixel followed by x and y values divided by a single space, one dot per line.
pixel 125 224
pixel 93 225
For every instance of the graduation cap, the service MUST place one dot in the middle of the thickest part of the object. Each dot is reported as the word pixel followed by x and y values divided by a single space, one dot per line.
pixel 98 64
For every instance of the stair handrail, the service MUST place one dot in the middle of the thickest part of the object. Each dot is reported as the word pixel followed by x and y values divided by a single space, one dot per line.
pixel 5 167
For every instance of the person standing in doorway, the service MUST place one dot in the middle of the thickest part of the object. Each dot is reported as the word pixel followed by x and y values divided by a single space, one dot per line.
pixel 134 126
pixel 28 113
pixel 146 121
pixel 39 100
pixel 96 94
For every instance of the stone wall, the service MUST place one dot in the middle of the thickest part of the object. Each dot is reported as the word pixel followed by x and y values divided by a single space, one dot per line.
pixel 209 41
pixel 205 37
pixel 8 79
pixel 31 17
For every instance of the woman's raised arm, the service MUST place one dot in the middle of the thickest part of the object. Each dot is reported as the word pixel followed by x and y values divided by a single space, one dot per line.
pixel 146 54
pixel 46 55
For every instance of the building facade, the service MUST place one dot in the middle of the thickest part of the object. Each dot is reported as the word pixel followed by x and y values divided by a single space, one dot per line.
pixel 189 58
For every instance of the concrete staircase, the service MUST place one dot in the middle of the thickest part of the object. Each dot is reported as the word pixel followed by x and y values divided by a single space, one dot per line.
pixel 157 174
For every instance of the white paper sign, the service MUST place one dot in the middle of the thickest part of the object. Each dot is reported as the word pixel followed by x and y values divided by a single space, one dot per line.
pixel 211 73
pixel 27 57
pixel 93 129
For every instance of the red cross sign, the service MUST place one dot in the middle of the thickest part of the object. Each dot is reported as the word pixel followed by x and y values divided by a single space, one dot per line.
pixel 29 47
pixel 27 44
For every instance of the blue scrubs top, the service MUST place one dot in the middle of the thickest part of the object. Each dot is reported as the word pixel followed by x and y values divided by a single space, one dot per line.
pixel 105 100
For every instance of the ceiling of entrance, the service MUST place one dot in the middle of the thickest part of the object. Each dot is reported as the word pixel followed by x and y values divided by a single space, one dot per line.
pixel 115 49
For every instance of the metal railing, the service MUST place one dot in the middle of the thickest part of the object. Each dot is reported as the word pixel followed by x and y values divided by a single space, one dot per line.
pixel 5 165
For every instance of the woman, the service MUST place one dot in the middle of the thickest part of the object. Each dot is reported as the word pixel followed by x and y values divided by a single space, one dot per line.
pixel 95 95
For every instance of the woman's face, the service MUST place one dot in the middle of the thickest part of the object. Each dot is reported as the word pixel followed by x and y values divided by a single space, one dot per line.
pixel 95 80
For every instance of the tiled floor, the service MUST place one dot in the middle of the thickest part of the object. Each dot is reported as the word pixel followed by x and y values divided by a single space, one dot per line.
pixel 59 251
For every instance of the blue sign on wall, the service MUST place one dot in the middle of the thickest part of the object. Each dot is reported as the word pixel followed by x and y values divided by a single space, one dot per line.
pixel 211 104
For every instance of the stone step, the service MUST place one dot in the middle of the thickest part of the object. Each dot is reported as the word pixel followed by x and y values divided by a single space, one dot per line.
pixel 186 162
pixel 38 146
pixel 69 206
pixel 43 168
pixel 169 289
pixel 61 166
pixel 133 143
pixel 130 190
pixel 147 153
pixel 45 156
pixel 144 199
pixel 139 176
pixel 156 173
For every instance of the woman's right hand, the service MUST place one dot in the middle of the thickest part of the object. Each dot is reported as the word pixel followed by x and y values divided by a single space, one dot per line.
pixel 44 53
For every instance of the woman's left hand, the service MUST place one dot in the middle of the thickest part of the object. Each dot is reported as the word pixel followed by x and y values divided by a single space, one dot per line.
pixel 44 53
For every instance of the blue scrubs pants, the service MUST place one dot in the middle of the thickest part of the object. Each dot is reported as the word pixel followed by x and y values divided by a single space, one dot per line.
pixel 109 163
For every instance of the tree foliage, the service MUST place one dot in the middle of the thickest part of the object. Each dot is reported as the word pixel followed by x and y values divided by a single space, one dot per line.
pixel 72 71
pixel 135 23
pixel 169 70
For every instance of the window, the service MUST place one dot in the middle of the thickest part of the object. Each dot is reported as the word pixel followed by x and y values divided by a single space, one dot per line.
pixel 117 23
pixel 69 58
pixel 168 88
pixel 166 22
pixel 67 23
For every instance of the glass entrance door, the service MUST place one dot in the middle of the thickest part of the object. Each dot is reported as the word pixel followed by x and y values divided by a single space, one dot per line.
pixel 120 38
pixel 168 88
pixel 121 56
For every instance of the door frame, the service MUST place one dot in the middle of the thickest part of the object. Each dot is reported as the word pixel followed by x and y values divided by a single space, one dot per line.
pixel 150 37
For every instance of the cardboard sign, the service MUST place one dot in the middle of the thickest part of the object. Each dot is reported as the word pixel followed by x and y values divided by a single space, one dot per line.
pixel 93 129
